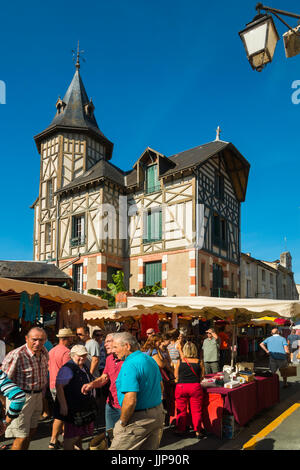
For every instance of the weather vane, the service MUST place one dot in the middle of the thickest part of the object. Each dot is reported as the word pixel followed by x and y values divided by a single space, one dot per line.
pixel 77 55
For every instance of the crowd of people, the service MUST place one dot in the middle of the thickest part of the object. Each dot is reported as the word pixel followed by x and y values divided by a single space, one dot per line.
pixel 154 383
pixel 136 388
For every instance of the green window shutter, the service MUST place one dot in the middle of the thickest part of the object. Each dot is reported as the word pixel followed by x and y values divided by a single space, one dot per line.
pixel 152 182
pixel 150 177
pixel 149 226
pixel 153 273
pixel 153 229
pixel 156 225
pixel 160 225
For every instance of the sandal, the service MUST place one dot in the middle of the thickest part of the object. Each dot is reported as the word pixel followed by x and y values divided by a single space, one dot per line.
pixel 5 446
pixel 54 445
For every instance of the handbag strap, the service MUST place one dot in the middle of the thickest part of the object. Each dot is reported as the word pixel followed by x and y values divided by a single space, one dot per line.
pixel 192 369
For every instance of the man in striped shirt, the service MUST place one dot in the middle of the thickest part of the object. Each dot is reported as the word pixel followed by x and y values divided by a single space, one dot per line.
pixel 16 397
pixel 27 367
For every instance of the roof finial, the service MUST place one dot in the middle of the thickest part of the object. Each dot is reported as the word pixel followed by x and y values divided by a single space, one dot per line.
pixel 218 132
pixel 78 56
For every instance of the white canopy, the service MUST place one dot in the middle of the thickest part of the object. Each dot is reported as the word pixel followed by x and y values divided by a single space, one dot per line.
pixel 209 307
pixel 115 314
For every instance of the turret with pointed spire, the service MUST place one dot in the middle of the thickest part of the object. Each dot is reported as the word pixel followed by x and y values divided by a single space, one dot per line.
pixel 75 113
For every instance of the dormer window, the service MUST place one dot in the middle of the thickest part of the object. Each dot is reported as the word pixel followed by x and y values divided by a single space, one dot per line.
pixel 60 106
pixel 89 109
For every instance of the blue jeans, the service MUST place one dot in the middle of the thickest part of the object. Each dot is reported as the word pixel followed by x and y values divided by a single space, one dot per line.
pixel 112 415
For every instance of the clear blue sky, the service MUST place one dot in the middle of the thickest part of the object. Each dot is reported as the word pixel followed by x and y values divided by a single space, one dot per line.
pixel 162 74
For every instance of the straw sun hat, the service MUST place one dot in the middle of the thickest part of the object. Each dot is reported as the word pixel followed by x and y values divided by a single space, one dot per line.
pixel 65 333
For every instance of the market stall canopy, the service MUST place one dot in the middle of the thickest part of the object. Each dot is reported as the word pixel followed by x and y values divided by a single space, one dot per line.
pixel 118 314
pixel 210 307
pixel 265 321
pixel 11 289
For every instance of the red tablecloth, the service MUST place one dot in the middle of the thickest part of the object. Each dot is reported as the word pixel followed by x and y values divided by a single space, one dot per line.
pixel 267 391
pixel 243 402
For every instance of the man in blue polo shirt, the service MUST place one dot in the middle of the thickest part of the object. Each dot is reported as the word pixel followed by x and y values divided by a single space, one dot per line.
pixel 277 348
pixel 139 388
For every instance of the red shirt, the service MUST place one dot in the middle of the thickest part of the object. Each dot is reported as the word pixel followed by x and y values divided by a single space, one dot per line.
pixel 58 356
pixel 112 369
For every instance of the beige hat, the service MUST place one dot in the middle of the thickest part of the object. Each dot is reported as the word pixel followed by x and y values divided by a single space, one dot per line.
pixel 65 333
pixel 79 350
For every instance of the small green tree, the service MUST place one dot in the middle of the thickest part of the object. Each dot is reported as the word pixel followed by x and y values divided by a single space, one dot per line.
pixel 118 284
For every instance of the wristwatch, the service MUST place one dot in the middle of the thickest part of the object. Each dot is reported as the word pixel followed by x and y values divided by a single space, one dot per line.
pixel 122 424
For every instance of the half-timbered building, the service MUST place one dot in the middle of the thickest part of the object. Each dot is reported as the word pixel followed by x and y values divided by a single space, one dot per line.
pixel 172 219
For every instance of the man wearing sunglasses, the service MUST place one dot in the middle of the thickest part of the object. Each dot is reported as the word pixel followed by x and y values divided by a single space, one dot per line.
pixel 93 349
pixel 150 332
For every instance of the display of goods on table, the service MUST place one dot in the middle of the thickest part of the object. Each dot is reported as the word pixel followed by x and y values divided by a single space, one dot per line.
pixel 246 375
pixel 244 366
pixel 232 384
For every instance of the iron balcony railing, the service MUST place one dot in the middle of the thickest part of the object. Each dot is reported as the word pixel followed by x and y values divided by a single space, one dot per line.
pixel 153 189
pixel 220 292
pixel 77 241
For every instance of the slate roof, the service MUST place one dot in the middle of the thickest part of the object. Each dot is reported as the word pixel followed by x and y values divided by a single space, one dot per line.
pixel 195 156
pixel 74 116
pixel 102 169
pixel 31 270
pixel 180 161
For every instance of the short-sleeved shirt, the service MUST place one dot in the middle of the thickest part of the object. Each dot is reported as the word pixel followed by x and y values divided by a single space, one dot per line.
pixel 211 350
pixel 152 352
pixel 112 369
pixel 140 374
pixel 174 353
pixel 58 356
pixel 275 345
pixel 293 339
pixel 93 349
pixel 27 370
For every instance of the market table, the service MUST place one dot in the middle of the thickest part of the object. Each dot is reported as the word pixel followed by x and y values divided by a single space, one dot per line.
pixel 267 391
pixel 243 402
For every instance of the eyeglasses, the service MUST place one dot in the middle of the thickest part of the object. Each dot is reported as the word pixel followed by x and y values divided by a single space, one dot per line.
pixel 79 334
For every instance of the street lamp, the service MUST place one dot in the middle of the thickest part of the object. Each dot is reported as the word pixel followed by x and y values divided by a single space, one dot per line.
pixel 260 37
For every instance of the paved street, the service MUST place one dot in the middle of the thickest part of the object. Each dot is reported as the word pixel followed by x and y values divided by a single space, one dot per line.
pixel 278 439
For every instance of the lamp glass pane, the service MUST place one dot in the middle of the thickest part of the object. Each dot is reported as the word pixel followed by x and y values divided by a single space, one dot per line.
pixel 272 40
pixel 255 39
